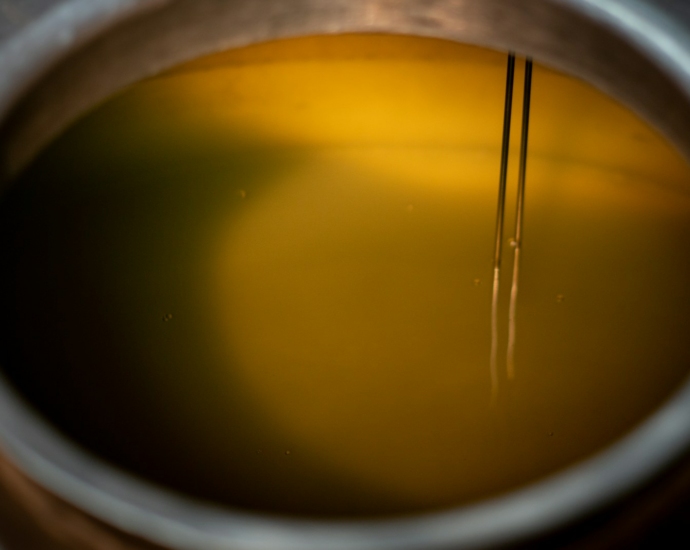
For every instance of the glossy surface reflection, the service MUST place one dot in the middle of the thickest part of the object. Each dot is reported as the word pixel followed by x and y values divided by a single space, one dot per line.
pixel 265 278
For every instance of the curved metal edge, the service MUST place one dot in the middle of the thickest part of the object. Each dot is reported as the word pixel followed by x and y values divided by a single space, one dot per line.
pixel 175 522
pixel 651 29
pixel 140 509
pixel 662 35
pixel 62 29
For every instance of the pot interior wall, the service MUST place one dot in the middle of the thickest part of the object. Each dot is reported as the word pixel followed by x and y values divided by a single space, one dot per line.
pixel 148 43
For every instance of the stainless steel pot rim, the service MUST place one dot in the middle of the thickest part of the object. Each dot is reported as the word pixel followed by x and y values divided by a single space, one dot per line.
pixel 178 523
pixel 162 517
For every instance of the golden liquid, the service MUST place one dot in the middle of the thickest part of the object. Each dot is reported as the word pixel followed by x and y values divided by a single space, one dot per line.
pixel 264 278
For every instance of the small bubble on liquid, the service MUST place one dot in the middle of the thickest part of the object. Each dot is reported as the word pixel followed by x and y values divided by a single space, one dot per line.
pixel 242 193
pixel 287 452
pixel 559 298
pixel 550 434
pixel 477 282
pixel 512 242
pixel 167 317
pixel 410 207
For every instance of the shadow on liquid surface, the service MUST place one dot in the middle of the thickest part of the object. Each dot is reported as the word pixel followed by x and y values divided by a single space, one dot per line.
pixel 253 284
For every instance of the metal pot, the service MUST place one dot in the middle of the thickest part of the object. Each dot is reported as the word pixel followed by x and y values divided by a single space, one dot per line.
pixel 59 57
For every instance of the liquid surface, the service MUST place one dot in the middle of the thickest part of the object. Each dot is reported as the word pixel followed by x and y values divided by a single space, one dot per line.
pixel 264 278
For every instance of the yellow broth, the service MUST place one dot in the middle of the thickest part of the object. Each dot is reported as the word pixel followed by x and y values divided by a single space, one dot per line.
pixel 264 278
